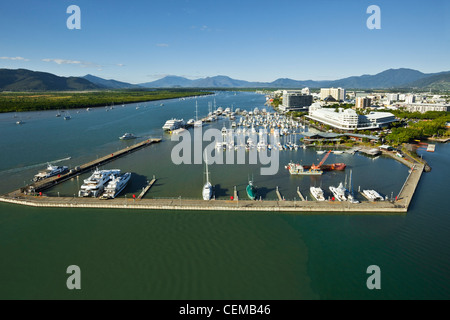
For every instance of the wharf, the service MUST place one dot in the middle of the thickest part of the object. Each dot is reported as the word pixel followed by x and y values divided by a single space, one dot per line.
pixel 202 205
pixel 300 194
pixel 52 181
pixel 146 188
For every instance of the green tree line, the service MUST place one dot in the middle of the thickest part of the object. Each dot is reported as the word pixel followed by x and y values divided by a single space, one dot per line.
pixel 17 102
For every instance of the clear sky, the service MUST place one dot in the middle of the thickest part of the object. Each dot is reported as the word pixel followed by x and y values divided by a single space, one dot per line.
pixel 140 41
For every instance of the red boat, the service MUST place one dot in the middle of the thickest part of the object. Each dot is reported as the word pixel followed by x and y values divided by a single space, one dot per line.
pixel 330 167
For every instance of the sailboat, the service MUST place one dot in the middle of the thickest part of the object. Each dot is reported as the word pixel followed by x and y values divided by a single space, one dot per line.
pixel 197 123
pixel 351 197
pixel 58 114
pixel 251 190
pixel 207 188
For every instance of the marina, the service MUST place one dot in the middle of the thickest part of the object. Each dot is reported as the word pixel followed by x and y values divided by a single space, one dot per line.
pixel 173 219
pixel 249 122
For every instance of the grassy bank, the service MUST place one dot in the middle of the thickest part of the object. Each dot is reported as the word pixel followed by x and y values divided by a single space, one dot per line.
pixel 17 101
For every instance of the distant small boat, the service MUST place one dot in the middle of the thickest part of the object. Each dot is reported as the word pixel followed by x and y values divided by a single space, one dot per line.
pixel 67 116
pixel 20 122
pixel 58 114
pixel 88 109
pixel 127 136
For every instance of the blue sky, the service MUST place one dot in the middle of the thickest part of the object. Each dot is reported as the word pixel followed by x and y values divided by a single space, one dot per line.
pixel 140 41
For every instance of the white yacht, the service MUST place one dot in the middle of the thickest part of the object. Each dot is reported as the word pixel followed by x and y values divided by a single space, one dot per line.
pixel 317 193
pixel 127 136
pixel 116 185
pixel 339 192
pixel 50 172
pixel 94 185
pixel 207 188
pixel 372 195
pixel 173 124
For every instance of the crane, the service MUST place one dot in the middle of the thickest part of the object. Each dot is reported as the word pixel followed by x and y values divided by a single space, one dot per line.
pixel 313 166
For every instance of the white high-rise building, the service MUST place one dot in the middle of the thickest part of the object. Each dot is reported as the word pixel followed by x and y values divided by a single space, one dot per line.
pixel 410 99
pixel 337 93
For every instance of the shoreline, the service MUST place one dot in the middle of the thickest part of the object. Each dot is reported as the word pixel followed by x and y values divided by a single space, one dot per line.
pixel 102 105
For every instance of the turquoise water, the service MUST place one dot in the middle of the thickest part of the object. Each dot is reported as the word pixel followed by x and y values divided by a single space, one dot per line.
pixel 210 255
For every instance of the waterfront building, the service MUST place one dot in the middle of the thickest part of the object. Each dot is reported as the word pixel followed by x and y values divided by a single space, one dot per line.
pixel 295 100
pixel 424 107
pixel 348 119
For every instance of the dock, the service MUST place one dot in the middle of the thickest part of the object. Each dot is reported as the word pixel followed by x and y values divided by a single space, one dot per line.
pixel 279 195
pixel 25 197
pixel 300 194
pixel 44 184
pixel 180 203
pixel 146 188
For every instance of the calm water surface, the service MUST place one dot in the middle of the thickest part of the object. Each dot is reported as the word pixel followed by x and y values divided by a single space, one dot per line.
pixel 210 255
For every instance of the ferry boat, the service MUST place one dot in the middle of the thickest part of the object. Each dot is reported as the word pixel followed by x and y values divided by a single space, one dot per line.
pixel 127 136
pixel 372 195
pixel 116 185
pixel 50 172
pixel 298 169
pixel 339 192
pixel 173 124
pixel 317 193
pixel 251 190
pixel 94 185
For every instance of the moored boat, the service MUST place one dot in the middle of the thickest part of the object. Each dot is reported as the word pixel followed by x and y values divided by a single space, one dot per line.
pixel 116 185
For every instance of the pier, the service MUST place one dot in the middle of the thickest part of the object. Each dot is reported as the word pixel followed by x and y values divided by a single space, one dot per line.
pixel 176 204
pixel 279 195
pixel 53 181
pixel 146 188
pixel 28 196
pixel 300 194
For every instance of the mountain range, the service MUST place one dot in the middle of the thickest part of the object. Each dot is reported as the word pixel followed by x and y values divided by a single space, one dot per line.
pixel 392 78
pixel 27 80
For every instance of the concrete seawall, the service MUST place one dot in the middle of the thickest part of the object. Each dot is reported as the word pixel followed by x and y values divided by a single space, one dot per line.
pixel 200 205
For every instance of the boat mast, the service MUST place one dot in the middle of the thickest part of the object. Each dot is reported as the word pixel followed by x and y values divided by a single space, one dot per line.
pixel 206 163
pixel 196 111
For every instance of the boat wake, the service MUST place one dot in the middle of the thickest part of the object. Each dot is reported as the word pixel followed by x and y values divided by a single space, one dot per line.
pixel 16 170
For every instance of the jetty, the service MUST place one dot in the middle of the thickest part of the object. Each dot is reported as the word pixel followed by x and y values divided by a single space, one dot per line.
pixel 146 188
pixel 45 184
pixel 32 195
pixel 300 194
